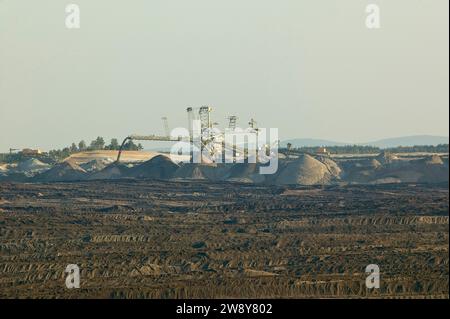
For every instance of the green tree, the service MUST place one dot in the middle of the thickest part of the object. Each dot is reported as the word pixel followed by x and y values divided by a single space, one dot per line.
pixel 82 146
pixel 97 144
pixel 114 145
pixel 73 148
pixel 130 146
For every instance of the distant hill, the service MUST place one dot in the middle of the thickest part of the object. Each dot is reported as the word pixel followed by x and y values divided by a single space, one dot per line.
pixel 410 141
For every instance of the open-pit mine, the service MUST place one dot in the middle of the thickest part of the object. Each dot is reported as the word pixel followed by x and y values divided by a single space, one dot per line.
pixel 141 238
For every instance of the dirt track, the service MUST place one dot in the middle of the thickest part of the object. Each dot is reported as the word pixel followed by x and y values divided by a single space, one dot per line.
pixel 149 239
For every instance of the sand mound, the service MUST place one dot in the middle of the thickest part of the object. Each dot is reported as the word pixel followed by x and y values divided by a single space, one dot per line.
pixel 95 165
pixel 305 170
pixel 245 173
pixel 32 165
pixel 195 171
pixel 434 160
pixel 113 171
pixel 61 172
pixel 430 169
pixel 433 170
pixel 201 171
pixel 373 163
pixel 359 171
pixel 332 166
pixel 159 167
pixel 386 158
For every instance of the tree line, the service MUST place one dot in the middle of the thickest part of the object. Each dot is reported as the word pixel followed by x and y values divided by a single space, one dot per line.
pixel 366 149
pixel 95 145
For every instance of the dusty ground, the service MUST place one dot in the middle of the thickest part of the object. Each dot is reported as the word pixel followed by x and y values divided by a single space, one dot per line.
pixel 150 239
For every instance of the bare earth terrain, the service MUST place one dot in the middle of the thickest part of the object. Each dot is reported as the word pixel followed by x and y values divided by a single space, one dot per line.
pixel 193 239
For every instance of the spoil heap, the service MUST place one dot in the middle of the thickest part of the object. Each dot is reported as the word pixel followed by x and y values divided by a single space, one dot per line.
pixel 434 160
pixel 425 170
pixel 113 171
pixel 95 165
pixel 360 171
pixel 305 170
pixel 62 172
pixel 245 173
pixel 332 166
pixel 386 157
pixel 32 165
pixel 198 171
pixel 159 167
pixel 373 163
pixel 3 168
pixel 13 177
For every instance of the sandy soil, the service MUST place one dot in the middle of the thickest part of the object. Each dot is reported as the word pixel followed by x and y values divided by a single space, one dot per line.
pixel 127 156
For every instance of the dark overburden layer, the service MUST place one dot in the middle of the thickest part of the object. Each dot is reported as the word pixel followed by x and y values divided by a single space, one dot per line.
pixel 190 239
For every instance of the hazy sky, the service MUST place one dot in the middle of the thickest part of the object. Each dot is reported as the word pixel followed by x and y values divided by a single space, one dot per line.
pixel 309 67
